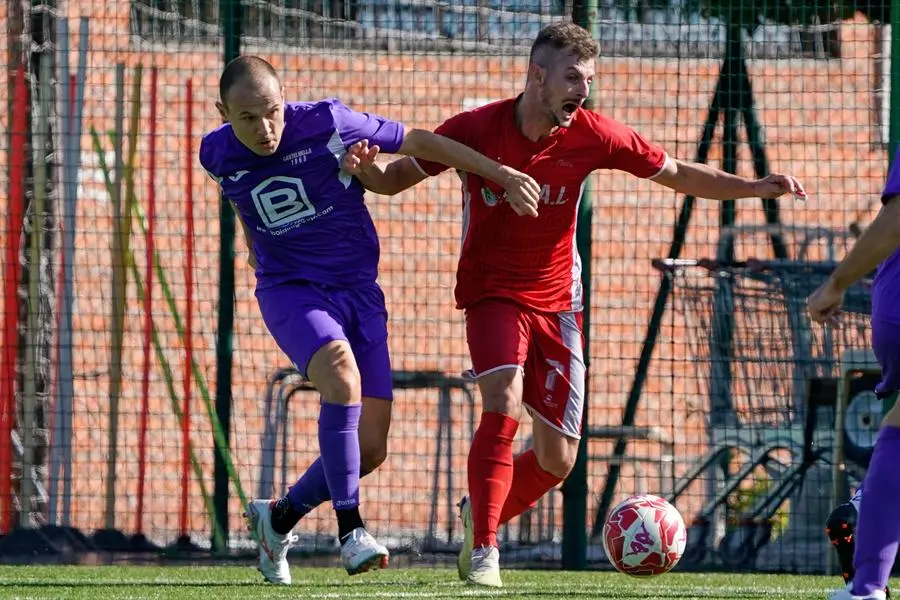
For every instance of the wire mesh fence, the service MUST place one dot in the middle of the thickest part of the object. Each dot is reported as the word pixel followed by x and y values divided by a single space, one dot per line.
pixel 768 377
pixel 110 349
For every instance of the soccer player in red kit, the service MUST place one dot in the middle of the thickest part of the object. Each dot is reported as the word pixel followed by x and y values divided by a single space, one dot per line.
pixel 519 276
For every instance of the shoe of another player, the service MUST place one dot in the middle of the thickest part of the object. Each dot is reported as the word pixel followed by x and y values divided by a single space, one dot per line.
pixel 846 594
pixel 361 553
pixel 464 560
pixel 485 569
pixel 273 547
pixel 841 531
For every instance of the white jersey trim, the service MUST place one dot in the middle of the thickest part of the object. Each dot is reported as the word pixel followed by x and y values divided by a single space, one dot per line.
pixel 662 168
pixel 575 290
pixel 499 368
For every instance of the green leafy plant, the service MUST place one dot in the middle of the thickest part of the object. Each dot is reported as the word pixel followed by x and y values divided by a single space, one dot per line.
pixel 745 499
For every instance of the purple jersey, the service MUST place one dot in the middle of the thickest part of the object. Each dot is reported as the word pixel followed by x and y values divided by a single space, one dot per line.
pixel 307 219
pixel 886 289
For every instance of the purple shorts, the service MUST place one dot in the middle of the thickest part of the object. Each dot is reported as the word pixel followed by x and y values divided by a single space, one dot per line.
pixel 303 317
pixel 886 344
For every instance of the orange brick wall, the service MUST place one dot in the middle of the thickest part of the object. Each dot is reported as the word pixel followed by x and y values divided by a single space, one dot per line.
pixel 817 117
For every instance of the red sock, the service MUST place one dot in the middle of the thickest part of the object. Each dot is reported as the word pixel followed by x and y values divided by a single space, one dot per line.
pixel 529 483
pixel 490 473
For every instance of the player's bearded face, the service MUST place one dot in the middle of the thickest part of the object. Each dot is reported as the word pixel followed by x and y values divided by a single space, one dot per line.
pixel 256 113
pixel 565 87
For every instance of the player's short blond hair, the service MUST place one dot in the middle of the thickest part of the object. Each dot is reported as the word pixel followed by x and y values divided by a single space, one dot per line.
pixel 566 37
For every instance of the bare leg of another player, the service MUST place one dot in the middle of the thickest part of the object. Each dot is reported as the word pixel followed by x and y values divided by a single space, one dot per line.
pixel 311 489
pixel 878 522
pixel 552 389
pixel 490 472
pixel 368 336
pixel 311 326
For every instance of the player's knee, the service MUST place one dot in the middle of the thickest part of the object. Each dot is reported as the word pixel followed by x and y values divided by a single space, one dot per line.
pixel 334 372
pixel 558 458
pixel 501 392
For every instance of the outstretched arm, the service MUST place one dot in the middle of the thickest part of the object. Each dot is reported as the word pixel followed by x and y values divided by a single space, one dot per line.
pixel 398 176
pixel 703 181
pixel 426 145
pixel 522 192
pixel 877 243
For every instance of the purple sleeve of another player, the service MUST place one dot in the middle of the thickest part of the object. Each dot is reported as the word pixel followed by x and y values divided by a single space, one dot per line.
pixel 354 126
pixel 892 185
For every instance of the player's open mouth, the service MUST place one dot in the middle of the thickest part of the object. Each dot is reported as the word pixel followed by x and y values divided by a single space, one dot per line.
pixel 570 107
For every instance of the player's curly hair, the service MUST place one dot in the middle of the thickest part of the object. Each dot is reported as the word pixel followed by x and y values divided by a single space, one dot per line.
pixel 568 37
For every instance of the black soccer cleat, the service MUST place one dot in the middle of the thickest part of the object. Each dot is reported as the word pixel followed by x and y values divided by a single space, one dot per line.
pixel 841 530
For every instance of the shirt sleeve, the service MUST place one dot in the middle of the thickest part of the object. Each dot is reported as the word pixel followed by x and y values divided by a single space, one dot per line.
pixel 208 157
pixel 892 185
pixel 354 126
pixel 624 149
pixel 455 128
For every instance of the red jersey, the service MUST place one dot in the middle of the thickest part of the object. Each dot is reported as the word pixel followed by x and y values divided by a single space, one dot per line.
pixel 534 261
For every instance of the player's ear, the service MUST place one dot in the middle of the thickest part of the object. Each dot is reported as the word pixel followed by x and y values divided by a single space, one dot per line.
pixel 222 111
pixel 537 72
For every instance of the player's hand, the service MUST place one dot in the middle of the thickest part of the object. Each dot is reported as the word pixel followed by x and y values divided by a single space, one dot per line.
pixel 522 192
pixel 824 304
pixel 774 186
pixel 359 158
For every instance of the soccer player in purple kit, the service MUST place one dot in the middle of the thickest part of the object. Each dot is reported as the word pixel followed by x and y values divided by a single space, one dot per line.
pixel 878 524
pixel 315 250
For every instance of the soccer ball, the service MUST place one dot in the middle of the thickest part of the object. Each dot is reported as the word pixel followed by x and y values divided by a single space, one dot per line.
pixel 644 536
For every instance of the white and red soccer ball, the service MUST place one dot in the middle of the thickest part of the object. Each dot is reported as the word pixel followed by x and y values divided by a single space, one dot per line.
pixel 644 536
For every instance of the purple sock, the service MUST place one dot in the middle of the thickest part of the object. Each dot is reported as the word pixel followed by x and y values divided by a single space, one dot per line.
pixel 878 526
pixel 310 490
pixel 339 448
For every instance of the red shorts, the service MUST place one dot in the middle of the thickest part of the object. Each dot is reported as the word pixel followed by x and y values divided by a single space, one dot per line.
pixel 548 347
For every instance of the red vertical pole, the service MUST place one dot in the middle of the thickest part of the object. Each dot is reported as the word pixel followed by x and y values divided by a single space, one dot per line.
pixel 148 303
pixel 18 149
pixel 189 301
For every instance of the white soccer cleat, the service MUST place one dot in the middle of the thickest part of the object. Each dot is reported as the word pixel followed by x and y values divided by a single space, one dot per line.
pixel 485 570
pixel 464 560
pixel 361 553
pixel 847 594
pixel 273 547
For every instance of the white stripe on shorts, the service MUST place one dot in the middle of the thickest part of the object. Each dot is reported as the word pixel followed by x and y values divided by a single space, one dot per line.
pixel 571 335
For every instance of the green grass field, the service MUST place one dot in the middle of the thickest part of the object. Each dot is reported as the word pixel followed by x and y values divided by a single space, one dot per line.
pixel 226 582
